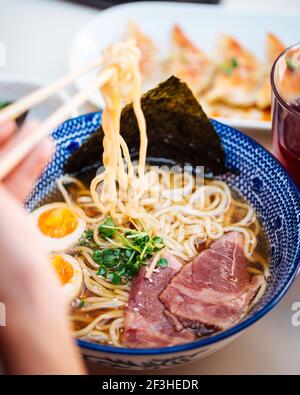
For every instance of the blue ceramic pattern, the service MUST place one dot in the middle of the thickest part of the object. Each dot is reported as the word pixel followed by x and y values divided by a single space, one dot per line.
pixel 154 363
pixel 261 180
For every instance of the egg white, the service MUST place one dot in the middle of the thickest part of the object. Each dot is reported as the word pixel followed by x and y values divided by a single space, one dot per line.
pixel 72 288
pixel 58 244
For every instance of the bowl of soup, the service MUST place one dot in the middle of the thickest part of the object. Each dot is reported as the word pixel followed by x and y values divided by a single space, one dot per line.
pixel 213 263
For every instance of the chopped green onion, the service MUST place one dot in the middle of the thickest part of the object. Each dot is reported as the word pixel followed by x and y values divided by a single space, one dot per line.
pixel 81 303
pixel 109 257
pixel 228 68
pixel 163 263
pixel 158 240
pixel 116 278
pixel 101 271
pixel 234 62
pixel 129 252
pixel 108 228
pixel 87 239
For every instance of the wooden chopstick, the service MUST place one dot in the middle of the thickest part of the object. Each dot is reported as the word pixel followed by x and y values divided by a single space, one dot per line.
pixel 19 152
pixel 14 110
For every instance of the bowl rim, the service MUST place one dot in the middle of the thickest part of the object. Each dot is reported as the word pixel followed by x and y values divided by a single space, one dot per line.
pixel 229 332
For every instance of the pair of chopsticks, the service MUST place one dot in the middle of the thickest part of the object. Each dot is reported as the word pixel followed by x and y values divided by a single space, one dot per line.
pixel 9 161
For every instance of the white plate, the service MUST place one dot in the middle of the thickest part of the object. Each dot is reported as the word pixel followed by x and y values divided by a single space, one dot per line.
pixel 203 23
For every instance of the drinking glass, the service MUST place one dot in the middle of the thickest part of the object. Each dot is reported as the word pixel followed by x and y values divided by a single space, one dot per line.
pixel 285 82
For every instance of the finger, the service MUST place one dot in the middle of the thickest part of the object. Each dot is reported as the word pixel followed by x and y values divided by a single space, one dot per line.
pixel 20 181
pixel 7 130
pixel 22 133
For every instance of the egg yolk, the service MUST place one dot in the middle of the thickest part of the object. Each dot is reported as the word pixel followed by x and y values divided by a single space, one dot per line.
pixel 63 268
pixel 58 222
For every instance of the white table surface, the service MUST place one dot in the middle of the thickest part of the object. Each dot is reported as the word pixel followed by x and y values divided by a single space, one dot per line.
pixel 37 35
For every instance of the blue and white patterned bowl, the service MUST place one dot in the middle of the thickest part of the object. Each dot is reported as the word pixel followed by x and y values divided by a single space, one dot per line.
pixel 262 181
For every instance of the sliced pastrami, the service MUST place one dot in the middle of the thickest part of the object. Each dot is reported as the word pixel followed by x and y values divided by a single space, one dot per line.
pixel 214 291
pixel 146 324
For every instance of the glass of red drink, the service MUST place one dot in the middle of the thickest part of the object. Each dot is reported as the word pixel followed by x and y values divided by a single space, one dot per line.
pixel 285 82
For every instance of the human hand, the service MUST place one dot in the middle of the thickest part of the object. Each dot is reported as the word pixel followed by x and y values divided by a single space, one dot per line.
pixel 21 179
pixel 37 336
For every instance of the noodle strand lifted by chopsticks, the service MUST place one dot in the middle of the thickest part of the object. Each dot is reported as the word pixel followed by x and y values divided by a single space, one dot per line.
pixel 117 176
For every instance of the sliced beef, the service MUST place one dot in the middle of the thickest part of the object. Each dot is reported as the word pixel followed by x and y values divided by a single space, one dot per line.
pixel 146 325
pixel 214 291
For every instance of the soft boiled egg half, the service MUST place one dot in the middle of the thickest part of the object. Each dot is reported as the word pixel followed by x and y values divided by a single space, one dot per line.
pixel 69 273
pixel 58 225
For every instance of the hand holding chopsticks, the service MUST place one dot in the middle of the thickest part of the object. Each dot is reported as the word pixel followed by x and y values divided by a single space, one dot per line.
pixel 19 152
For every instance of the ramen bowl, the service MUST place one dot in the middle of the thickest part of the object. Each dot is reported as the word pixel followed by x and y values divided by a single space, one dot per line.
pixel 262 182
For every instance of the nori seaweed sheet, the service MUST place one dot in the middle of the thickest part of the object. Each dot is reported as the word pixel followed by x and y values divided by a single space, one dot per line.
pixel 177 128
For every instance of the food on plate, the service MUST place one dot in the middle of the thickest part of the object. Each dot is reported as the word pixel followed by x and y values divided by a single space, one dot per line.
pixel 189 63
pixel 233 83
pixel 274 47
pixel 223 110
pixel 242 86
pixel 148 62
pixel 166 256
pixel 238 76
